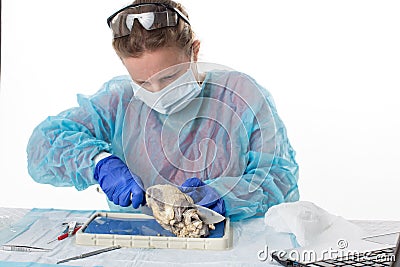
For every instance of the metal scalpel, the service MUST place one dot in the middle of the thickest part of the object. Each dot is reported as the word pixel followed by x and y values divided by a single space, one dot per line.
pixel 89 254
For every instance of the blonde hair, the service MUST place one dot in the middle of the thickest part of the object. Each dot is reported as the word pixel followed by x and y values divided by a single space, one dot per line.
pixel 140 40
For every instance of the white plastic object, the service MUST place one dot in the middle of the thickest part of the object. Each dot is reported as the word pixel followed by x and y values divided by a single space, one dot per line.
pixel 140 241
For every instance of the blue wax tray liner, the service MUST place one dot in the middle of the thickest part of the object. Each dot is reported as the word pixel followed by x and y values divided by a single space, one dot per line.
pixel 142 231
pixel 137 226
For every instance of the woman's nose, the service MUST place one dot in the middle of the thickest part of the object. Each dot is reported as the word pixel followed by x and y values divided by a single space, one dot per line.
pixel 155 87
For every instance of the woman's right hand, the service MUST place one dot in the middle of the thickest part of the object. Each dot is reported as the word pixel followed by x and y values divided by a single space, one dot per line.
pixel 121 186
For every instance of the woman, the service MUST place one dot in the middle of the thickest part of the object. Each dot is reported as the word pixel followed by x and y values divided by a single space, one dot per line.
pixel 213 132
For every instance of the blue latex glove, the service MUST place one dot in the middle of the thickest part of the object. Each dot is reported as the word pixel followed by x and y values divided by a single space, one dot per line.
pixel 203 195
pixel 119 183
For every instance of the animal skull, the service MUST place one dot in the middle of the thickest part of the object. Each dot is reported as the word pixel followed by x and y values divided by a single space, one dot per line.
pixel 175 211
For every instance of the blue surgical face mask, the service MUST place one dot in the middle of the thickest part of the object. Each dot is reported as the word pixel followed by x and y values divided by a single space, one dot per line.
pixel 174 97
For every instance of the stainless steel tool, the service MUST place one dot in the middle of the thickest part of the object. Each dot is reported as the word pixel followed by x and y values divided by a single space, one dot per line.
pixel 207 215
pixel 89 254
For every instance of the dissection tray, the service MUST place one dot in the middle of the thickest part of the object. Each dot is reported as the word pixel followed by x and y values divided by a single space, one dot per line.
pixel 142 231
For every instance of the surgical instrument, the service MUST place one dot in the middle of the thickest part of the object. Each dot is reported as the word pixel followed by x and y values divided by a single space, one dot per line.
pixel 23 248
pixel 63 236
pixel 208 216
pixel 71 227
pixel 89 254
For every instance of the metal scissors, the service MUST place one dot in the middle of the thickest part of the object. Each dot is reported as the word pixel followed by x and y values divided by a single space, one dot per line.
pixel 71 229
pixel 20 248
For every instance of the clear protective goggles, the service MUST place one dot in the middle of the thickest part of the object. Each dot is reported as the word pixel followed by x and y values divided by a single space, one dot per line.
pixel 121 22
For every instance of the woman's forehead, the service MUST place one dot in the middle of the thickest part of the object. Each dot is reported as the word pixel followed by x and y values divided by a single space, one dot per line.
pixel 160 61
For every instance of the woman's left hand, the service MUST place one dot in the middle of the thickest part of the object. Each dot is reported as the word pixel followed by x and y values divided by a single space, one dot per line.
pixel 203 195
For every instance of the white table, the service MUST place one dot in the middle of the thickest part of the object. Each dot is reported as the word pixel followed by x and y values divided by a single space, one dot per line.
pixel 252 241
pixel 249 240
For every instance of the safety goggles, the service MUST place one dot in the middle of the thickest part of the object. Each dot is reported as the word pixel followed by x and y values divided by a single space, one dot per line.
pixel 121 22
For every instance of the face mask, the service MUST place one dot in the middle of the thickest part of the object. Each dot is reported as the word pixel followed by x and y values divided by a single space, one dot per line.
pixel 174 97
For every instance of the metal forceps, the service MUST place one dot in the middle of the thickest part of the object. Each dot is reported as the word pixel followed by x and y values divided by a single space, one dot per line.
pixel 20 248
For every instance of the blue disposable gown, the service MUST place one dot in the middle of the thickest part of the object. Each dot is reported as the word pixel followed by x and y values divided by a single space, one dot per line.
pixel 230 136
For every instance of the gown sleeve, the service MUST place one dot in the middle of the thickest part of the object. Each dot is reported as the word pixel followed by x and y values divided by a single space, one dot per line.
pixel 61 149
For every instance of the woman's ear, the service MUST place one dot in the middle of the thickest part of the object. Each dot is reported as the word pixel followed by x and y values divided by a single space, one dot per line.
pixel 195 49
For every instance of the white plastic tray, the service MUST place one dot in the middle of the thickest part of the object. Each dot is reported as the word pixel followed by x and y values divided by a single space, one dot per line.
pixel 140 241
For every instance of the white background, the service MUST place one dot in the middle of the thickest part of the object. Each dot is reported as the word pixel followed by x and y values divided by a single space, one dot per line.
pixel 333 68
